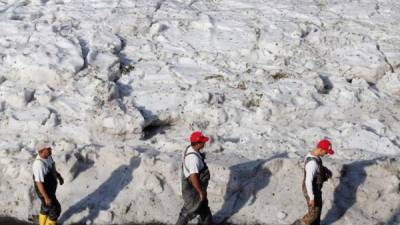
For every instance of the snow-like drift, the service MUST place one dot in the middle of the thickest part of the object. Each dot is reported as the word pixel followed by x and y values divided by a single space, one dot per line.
pixel 119 85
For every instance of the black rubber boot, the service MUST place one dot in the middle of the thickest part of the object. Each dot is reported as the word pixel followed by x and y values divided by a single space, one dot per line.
pixel 206 221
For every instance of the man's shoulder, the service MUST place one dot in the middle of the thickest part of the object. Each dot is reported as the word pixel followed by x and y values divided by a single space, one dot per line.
pixel 190 152
pixel 38 164
pixel 50 160
pixel 311 161
pixel 193 160
pixel 43 162
pixel 310 157
pixel 193 157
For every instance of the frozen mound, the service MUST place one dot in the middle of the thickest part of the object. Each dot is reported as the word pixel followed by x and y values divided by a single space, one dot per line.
pixel 118 86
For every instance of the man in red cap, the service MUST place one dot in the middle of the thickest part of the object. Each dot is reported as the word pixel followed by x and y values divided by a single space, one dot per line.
pixel 315 174
pixel 195 177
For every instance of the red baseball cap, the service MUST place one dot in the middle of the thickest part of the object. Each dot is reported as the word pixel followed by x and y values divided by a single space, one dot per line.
pixel 197 136
pixel 326 146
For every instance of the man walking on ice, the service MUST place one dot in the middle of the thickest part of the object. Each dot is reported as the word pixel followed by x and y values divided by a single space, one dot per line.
pixel 315 174
pixel 45 178
pixel 195 177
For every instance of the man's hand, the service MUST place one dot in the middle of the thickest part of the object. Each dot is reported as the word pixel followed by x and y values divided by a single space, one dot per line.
pixel 47 201
pixel 42 191
pixel 195 180
pixel 311 203
pixel 328 173
pixel 60 179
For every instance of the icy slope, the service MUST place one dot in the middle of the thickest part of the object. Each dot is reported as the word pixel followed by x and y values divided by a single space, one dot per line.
pixel 119 85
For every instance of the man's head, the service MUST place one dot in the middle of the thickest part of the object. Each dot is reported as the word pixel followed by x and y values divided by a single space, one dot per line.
pixel 44 150
pixel 324 147
pixel 198 140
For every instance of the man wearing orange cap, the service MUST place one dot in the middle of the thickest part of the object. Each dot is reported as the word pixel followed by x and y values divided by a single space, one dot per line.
pixel 315 174
pixel 195 177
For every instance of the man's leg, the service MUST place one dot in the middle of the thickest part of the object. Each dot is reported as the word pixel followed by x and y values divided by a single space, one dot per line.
pixel 184 216
pixel 187 213
pixel 54 211
pixel 318 205
pixel 42 219
pixel 312 216
pixel 297 222
pixel 44 211
pixel 313 213
pixel 205 213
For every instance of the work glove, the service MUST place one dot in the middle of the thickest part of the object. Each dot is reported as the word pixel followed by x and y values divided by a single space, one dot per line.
pixel 328 173
pixel 60 179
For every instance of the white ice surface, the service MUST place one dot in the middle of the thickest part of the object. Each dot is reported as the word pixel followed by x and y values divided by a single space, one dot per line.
pixel 118 86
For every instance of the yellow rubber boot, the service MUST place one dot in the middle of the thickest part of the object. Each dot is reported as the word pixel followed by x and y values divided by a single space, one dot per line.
pixel 42 219
pixel 51 222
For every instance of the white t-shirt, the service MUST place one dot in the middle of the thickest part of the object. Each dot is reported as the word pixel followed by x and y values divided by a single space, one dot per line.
pixel 41 167
pixel 311 169
pixel 192 164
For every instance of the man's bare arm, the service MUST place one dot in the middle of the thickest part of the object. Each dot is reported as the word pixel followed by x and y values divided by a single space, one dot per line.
pixel 195 179
pixel 43 192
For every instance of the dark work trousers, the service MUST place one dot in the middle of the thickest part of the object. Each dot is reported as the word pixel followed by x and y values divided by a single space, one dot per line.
pixel 313 215
pixel 192 205
pixel 53 211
